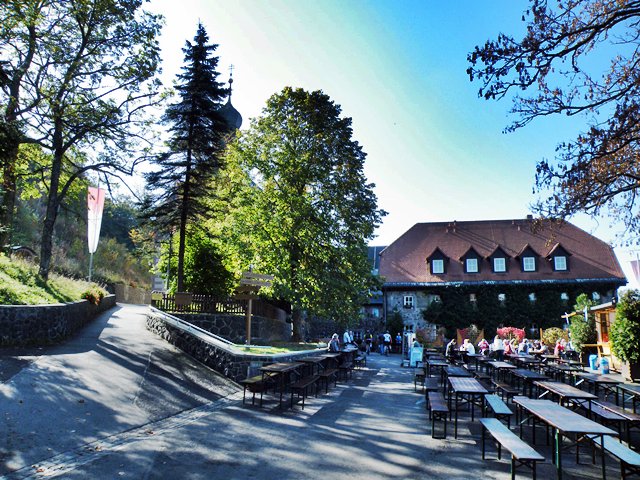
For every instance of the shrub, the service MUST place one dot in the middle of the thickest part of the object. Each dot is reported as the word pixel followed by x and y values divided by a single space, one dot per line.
pixel 551 335
pixel 94 295
pixel 583 331
pixel 511 333
pixel 625 331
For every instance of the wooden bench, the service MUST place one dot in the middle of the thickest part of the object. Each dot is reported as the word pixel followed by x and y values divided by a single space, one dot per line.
pixel 629 460
pixel 301 388
pixel 521 452
pixel 605 416
pixel 632 418
pixel 418 378
pixel 254 385
pixel 327 375
pixel 506 390
pixel 499 409
pixel 438 410
pixel 346 368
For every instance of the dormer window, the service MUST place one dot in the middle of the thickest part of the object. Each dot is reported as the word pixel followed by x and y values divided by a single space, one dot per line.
pixel 560 258
pixel 529 264
pixel 437 266
pixel 471 265
pixel 560 263
pixel 528 259
pixel 499 264
pixel 471 261
pixel 437 262
pixel 499 260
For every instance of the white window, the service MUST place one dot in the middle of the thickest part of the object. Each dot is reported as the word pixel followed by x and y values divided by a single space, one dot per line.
pixel 437 266
pixel 502 297
pixel 529 264
pixel 375 312
pixel 532 297
pixel 499 264
pixel 472 265
pixel 408 301
pixel 564 296
pixel 560 263
pixel 595 296
pixel 472 297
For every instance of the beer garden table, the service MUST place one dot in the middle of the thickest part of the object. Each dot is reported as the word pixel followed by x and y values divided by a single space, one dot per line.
pixel 565 393
pixel 607 382
pixel 280 372
pixel 564 422
pixel 461 388
pixel 628 390
pixel 527 377
pixel 501 366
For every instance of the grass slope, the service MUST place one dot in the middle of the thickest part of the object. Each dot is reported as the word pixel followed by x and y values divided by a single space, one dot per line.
pixel 21 285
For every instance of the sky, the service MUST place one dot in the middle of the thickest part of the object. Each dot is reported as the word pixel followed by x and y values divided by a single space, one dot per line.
pixel 435 151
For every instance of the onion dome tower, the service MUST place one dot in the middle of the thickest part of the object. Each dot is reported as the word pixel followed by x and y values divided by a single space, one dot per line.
pixel 228 111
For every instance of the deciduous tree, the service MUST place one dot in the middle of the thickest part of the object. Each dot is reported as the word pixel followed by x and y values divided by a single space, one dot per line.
pixel 306 211
pixel 578 57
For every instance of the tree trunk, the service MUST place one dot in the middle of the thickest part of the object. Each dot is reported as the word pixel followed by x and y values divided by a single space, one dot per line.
pixel 296 319
pixel 183 222
pixel 8 203
pixel 53 203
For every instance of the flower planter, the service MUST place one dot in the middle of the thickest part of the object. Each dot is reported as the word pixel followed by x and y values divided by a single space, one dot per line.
pixel 630 371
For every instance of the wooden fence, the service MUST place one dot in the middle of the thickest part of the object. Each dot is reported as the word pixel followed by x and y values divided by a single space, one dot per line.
pixel 193 303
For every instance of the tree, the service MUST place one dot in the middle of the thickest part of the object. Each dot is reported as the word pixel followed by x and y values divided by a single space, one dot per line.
pixel 194 152
pixel 84 90
pixel 560 60
pixel 304 211
pixel 583 330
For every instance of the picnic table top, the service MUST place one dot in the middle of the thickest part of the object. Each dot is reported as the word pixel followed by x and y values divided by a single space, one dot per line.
pixel 437 362
pixel 633 388
pixel 500 365
pixel 454 371
pixel 566 391
pixel 599 379
pixel 281 367
pixel 313 359
pixel 528 374
pixel 561 418
pixel 466 385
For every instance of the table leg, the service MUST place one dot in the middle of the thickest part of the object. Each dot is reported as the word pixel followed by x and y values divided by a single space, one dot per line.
pixel 604 472
pixel 558 452
pixel 455 423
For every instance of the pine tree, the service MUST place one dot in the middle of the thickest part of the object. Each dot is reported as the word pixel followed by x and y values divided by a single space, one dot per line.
pixel 193 155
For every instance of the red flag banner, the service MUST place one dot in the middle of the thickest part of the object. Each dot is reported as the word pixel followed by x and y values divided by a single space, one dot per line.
pixel 95 205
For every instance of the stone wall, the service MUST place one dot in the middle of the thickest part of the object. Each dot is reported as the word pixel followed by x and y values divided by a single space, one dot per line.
pixel 233 327
pixel 214 352
pixel 47 324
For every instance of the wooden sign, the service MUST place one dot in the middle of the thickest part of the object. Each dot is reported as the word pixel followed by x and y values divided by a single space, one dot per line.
pixel 256 279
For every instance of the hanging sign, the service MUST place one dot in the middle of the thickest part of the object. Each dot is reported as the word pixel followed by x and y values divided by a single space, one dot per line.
pixel 95 205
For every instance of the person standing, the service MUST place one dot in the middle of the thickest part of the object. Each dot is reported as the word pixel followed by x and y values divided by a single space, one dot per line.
pixel 387 342
pixel 334 343
pixel 368 341
pixel 498 348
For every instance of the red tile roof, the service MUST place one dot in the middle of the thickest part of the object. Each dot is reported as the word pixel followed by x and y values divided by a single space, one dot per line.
pixel 404 261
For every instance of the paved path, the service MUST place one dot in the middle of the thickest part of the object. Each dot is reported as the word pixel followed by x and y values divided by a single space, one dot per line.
pixel 118 402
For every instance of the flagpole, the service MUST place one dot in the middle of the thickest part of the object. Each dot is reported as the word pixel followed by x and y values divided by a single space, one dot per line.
pixel 90 264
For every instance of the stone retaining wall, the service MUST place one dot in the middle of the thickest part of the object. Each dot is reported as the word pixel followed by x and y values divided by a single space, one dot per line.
pixel 234 328
pixel 47 324
pixel 213 352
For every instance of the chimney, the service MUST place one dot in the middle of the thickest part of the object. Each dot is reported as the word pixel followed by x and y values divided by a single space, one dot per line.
pixel 529 217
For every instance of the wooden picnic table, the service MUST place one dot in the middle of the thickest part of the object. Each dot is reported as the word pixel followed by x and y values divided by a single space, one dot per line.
pixel 565 393
pixel 607 382
pixel 465 388
pixel 316 362
pixel 561 370
pixel 564 422
pixel 628 391
pixel 500 367
pixel 280 373
pixel 528 377
pixel 436 364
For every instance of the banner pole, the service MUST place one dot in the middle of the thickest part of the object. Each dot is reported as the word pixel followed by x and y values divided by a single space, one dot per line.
pixel 90 264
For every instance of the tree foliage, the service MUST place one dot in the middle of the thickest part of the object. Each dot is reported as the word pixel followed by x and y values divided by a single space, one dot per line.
pixel 583 331
pixel 303 210
pixel 625 330
pixel 560 62
pixel 84 72
pixel 193 155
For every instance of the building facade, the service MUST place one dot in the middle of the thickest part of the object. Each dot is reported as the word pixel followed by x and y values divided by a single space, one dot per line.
pixel 496 272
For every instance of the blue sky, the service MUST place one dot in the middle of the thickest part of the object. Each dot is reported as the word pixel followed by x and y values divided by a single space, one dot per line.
pixel 436 152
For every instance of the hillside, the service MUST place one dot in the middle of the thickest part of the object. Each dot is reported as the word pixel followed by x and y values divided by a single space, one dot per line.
pixel 21 285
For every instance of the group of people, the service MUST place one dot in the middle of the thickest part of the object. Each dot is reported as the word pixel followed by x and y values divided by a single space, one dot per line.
pixel 384 342
pixel 501 347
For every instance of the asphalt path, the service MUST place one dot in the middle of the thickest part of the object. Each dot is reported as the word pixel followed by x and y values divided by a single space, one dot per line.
pixel 119 402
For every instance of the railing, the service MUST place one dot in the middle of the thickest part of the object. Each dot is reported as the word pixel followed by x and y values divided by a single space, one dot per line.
pixel 221 305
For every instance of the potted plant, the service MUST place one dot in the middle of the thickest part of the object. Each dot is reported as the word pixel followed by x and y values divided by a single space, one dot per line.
pixel 583 330
pixel 625 334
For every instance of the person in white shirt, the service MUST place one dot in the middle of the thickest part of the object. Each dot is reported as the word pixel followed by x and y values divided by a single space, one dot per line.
pixel 498 348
